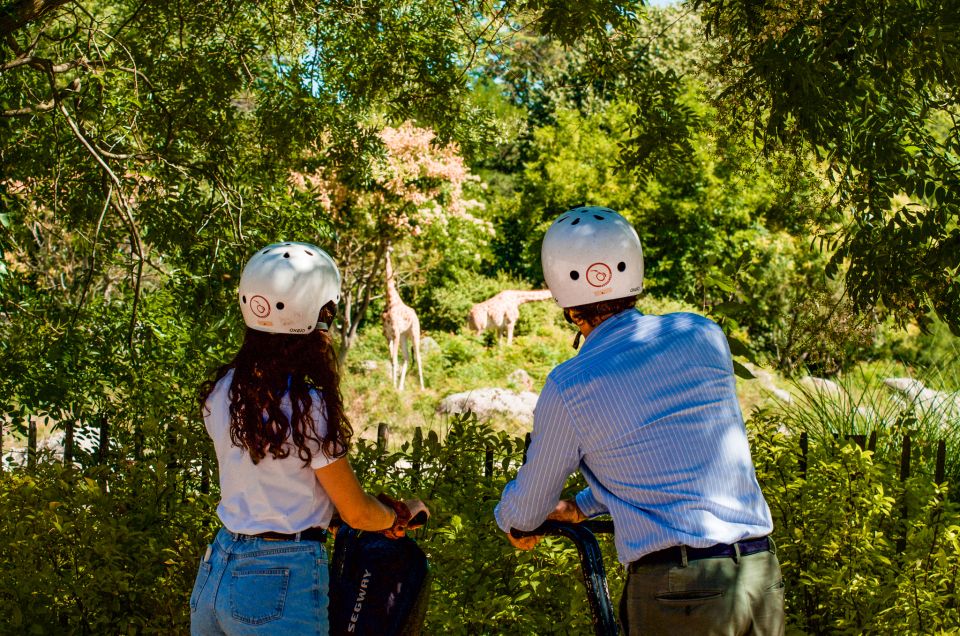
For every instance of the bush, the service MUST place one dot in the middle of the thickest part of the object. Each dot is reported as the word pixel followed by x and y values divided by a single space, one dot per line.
pixel 481 585
pixel 861 551
pixel 83 555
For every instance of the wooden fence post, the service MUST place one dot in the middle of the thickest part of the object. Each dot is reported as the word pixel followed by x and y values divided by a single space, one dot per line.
pixel 68 442
pixel 488 463
pixel 939 474
pixel 804 447
pixel 383 435
pixel 416 455
pixel 31 443
pixel 904 476
pixel 104 440
pixel 205 473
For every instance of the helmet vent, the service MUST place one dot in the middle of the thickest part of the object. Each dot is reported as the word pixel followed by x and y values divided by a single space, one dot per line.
pixel 621 266
pixel 598 217
pixel 574 274
pixel 562 219
pixel 309 253
pixel 280 305
pixel 244 299
pixel 575 221
pixel 266 251
pixel 286 254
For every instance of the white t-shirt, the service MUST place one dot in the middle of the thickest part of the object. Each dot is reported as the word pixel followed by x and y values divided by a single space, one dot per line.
pixel 278 495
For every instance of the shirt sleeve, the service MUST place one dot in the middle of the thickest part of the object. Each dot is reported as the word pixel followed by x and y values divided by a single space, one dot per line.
pixel 553 455
pixel 318 411
pixel 588 504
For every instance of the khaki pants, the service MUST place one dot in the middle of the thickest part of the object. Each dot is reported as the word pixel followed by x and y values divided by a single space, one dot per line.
pixel 720 595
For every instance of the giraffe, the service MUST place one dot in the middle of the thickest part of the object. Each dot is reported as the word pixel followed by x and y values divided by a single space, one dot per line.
pixel 400 325
pixel 502 311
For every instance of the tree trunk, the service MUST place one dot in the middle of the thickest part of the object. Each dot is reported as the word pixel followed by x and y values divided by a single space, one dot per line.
pixel 355 307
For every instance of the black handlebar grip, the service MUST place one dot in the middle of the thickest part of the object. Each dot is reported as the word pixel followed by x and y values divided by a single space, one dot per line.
pixel 418 519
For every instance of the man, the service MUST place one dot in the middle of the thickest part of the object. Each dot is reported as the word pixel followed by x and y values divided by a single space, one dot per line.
pixel 649 414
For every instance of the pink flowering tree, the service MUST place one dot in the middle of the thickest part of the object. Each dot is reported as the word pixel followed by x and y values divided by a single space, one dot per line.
pixel 414 187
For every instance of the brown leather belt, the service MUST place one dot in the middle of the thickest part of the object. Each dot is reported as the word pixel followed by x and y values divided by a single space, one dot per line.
pixel 674 554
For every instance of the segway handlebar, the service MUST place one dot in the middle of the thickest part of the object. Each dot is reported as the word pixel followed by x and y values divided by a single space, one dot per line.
pixel 591 563
pixel 562 528
pixel 418 520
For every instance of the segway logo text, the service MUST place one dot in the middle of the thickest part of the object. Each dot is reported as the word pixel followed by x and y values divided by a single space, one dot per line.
pixel 364 582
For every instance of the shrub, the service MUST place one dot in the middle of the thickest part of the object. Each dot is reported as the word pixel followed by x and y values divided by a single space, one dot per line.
pixel 861 551
pixel 116 551
pixel 83 555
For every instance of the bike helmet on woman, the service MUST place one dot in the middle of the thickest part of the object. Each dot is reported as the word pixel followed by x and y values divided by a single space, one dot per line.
pixel 285 285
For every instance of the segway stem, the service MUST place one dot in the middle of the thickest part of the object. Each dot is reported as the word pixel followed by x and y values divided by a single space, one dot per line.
pixel 591 563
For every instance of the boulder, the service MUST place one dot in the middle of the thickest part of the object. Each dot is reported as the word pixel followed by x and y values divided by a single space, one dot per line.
pixel 822 386
pixel 909 387
pixel 489 402
pixel 520 379
pixel 782 395
pixel 428 346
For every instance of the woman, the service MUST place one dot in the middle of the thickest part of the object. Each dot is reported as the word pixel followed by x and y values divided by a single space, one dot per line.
pixel 276 418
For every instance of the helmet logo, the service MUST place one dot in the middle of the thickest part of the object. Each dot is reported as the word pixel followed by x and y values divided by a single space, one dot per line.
pixel 599 274
pixel 260 306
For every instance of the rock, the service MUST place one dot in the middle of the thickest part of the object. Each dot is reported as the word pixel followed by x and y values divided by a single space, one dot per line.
pixel 368 366
pixel 911 393
pixel 428 345
pixel 761 374
pixel 487 402
pixel 906 386
pixel 822 385
pixel 765 378
pixel 521 380
pixel 782 395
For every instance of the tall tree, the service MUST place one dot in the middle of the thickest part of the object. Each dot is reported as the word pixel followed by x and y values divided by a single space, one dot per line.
pixel 873 88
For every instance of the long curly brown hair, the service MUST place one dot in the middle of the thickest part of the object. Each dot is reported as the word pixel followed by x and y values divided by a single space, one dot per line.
pixel 270 366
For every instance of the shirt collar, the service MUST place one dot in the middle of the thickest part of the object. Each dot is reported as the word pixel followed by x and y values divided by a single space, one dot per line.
pixel 608 326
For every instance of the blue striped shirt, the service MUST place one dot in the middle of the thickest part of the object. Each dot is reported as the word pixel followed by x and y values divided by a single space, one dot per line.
pixel 648 412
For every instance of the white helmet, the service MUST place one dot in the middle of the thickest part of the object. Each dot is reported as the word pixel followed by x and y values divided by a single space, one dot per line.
pixel 284 286
pixel 591 254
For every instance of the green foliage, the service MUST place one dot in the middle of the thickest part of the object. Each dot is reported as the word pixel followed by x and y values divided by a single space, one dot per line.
pixel 861 551
pixel 871 88
pixel 481 585
pixel 115 551
pixel 108 551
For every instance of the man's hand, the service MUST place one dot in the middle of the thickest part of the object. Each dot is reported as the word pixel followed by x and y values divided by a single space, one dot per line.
pixel 568 511
pixel 524 543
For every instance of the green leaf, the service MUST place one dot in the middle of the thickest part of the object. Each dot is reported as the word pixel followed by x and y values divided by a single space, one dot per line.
pixel 742 371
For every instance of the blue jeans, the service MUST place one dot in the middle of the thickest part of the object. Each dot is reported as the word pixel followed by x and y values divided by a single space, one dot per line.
pixel 249 586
